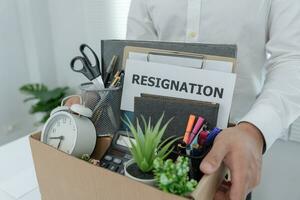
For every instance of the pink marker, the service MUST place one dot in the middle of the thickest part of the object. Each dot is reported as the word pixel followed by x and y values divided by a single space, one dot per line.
pixel 196 129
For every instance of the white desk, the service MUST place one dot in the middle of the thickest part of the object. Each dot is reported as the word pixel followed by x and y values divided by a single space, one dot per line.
pixel 17 174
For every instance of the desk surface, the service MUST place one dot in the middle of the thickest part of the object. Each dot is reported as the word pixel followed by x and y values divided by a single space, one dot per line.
pixel 17 174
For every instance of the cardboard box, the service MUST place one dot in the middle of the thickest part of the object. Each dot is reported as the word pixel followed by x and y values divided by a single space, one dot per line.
pixel 63 177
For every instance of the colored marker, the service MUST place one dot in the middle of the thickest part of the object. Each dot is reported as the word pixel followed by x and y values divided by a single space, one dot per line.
pixel 189 128
pixel 195 140
pixel 212 135
pixel 202 137
pixel 196 129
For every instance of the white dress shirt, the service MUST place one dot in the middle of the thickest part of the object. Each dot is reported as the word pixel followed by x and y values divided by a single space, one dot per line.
pixel 267 92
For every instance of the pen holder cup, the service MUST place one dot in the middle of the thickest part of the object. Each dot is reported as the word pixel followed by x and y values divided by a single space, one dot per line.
pixel 195 158
pixel 195 162
pixel 105 105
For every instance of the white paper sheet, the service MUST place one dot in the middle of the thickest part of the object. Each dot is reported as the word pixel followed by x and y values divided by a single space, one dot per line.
pixel 206 84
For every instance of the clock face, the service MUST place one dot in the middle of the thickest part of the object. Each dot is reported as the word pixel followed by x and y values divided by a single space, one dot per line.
pixel 61 132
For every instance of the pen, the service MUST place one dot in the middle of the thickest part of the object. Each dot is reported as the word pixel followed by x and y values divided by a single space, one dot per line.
pixel 120 80
pixel 189 128
pixel 110 68
pixel 212 135
pixel 196 129
pixel 115 81
pixel 117 77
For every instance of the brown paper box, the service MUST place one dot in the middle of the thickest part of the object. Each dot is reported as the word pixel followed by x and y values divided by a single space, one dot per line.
pixel 63 177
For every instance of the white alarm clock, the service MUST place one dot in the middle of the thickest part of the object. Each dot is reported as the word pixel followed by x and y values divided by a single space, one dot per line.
pixel 70 130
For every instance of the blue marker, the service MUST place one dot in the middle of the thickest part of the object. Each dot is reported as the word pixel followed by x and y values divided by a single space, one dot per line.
pixel 211 136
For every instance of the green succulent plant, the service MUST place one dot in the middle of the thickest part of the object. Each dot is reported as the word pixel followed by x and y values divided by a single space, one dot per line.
pixel 173 177
pixel 148 143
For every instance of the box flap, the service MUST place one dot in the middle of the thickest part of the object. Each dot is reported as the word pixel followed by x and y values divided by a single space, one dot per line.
pixel 208 185
pixel 36 136
pixel 61 176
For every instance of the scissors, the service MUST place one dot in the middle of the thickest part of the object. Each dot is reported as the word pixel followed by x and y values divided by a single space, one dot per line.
pixel 92 72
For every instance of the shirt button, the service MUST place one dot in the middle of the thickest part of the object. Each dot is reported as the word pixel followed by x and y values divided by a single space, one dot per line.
pixel 192 34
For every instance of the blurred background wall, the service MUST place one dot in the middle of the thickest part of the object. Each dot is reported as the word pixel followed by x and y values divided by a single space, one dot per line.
pixel 37 41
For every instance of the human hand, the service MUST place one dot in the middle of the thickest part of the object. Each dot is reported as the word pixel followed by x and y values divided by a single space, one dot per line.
pixel 240 148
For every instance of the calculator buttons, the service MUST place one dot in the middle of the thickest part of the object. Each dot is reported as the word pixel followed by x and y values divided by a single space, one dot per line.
pixel 114 160
pixel 103 164
pixel 117 161
pixel 108 158
pixel 113 168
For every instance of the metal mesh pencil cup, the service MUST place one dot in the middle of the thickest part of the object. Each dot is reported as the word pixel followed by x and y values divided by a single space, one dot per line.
pixel 105 104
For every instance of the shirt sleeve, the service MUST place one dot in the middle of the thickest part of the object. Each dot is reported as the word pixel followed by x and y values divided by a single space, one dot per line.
pixel 278 105
pixel 140 25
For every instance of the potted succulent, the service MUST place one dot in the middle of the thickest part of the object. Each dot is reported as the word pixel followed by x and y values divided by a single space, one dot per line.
pixel 173 177
pixel 148 146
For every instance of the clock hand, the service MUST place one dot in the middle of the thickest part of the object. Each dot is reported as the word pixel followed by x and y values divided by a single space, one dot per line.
pixel 60 138
pixel 59 143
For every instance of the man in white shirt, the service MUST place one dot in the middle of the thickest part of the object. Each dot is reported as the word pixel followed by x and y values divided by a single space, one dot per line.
pixel 267 93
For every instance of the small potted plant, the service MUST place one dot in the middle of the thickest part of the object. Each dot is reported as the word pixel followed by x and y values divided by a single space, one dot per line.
pixel 173 177
pixel 147 147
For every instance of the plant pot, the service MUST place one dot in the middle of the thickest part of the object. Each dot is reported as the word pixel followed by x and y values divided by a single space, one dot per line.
pixel 132 171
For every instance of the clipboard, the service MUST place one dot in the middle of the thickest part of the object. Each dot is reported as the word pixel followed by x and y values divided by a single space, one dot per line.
pixel 151 51
pixel 109 48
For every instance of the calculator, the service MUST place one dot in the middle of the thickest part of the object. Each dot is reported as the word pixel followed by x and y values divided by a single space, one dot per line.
pixel 118 153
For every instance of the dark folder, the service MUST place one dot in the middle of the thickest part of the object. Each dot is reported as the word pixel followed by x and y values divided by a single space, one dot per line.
pixel 179 109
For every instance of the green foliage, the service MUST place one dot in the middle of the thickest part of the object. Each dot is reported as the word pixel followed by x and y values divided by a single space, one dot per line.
pixel 173 177
pixel 46 100
pixel 148 146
